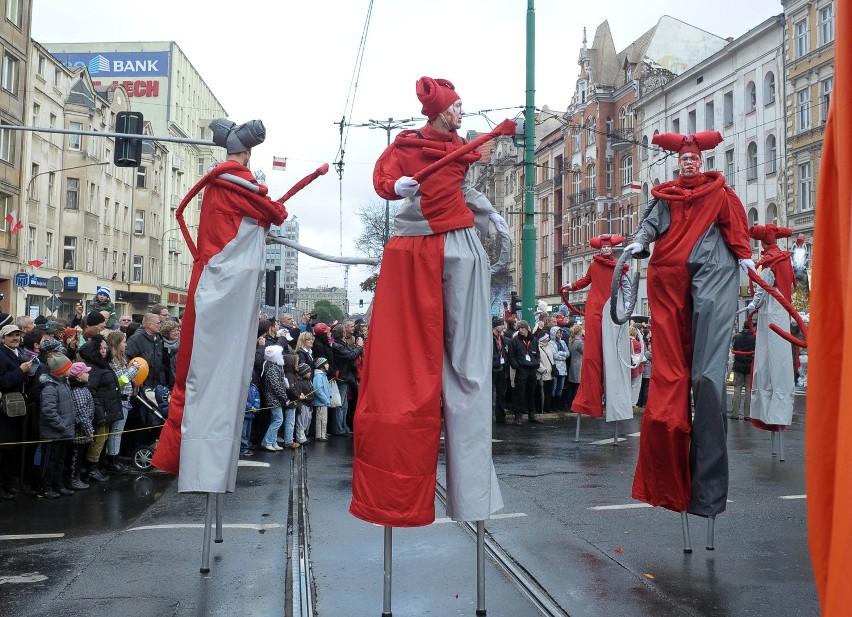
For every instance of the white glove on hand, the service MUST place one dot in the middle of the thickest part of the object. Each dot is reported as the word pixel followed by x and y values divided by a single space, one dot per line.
pixel 499 222
pixel 634 247
pixel 751 307
pixel 746 265
pixel 406 186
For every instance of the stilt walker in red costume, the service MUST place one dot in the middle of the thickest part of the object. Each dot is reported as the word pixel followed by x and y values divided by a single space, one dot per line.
pixel 772 387
pixel 201 437
pixel 699 229
pixel 605 385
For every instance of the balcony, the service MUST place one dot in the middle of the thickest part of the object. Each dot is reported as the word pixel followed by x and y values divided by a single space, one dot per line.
pixel 578 199
pixel 544 187
pixel 174 245
pixel 175 202
pixel 178 163
pixel 621 139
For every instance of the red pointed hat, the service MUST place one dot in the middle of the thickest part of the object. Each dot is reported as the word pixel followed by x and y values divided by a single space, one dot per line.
pixel 605 240
pixel 436 95
pixel 675 142
pixel 769 233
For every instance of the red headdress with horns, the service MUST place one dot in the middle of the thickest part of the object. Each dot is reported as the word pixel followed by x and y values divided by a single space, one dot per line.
pixel 599 242
pixel 675 142
pixel 769 233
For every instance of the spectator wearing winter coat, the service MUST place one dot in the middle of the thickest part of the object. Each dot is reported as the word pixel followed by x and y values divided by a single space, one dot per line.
pixel 252 406
pixel 744 343
pixel 576 344
pixel 304 406
pixel 322 348
pixel 274 391
pixel 544 375
pixel 103 382
pixel 322 397
pixel 147 343
pixel 524 358
pixel 637 361
pixel 84 413
pixel 646 373
pixel 499 367
pixel 170 333
pixel 103 304
pixel 559 350
pixel 14 367
pixel 56 424
pixel 345 356
pixel 126 373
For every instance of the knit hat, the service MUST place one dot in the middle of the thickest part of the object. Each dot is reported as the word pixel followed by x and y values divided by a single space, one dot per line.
pixel 496 320
pixel 103 289
pixel 304 368
pixel 40 320
pixel 769 233
pixel 59 365
pixel 544 337
pixel 5 319
pixel 50 345
pixel 67 333
pixel 237 138
pixel 319 362
pixel 523 324
pixel 321 328
pixel 274 353
pixel 436 95
pixel 675 142
pixel 78 368
pixel 94 318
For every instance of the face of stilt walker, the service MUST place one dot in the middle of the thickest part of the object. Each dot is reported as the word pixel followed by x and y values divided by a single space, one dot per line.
pixel 606 249
pixel 689 164
pixel 453 116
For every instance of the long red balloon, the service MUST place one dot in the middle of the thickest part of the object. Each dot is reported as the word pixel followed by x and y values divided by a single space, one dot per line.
pixel 754 276
pixel 319 171
pixel 507 127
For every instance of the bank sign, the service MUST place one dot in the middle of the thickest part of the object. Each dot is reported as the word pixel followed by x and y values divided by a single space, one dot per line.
pixel 119 64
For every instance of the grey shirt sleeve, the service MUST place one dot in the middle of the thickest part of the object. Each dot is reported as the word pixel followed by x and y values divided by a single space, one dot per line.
pixel 654 225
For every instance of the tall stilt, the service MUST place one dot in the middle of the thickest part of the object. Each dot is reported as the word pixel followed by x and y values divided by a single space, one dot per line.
pixel 774 451
pixel 208 524
pixel 577 432
pixel 615 437
pixel 780 445
pixel 480 568
pixel 711 528
pixel 684 525
pixel 386 596
pixel 219 538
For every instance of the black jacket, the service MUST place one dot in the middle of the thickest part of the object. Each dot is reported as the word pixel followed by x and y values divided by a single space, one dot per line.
pixel 499 351
pixel 56 420
pixel 12 379
pixel 344 359
pixel 743 341
pixel 521 347
pixel 143 345
pixel 103 382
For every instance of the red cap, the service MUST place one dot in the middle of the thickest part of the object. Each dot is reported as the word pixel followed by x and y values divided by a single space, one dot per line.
pixel 436 95
pixel 769 233
pixel 675 142
pixel 605 240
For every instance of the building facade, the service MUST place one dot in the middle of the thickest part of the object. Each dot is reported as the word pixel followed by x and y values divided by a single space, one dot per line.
pixel 309 296
pixel 287 260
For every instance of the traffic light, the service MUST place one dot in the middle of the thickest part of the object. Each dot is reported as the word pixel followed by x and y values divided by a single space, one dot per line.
pixel 516 304
pixel 361 303
pixel 269 299
pixel 128 152
pixel 282 297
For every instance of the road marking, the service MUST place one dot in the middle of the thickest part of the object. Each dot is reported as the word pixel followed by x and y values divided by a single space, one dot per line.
pixel 604 442
pixel 633 434
pixel 242 463
pixel 201 526
pixel 32 577
pixel 439 521
pixel 624 506
pixel 793 497
pixel 33 536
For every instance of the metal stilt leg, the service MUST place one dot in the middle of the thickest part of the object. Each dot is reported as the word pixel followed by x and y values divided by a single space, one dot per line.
pixel 218 539
pixel 577 432
pixel 386 596
pixel 615 437
pixel 711 528
pixel 684 525
pixel 480 568
pixel 774 451
pixel 780 445
pixel 208 524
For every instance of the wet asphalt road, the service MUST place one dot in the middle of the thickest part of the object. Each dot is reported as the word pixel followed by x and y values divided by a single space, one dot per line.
pixel 133 547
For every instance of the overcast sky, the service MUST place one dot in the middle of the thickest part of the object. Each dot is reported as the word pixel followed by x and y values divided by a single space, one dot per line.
pixel 291 64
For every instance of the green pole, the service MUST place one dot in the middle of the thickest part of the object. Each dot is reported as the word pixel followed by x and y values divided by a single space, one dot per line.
pixel 528 230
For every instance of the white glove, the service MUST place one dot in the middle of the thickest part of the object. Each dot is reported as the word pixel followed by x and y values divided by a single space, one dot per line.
pixel 746 265
pixel 634 247
pixel 406 186
pixel 751 307
pixel 499 222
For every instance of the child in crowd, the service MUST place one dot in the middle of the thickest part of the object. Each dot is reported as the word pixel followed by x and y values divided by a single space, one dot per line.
pixel 306 397
pixel 322 398
pixel 252 406
pixel 56 423
pixel 84 414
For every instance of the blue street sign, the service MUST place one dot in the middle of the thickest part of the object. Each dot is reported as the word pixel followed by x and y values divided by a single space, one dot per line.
pixel 22 279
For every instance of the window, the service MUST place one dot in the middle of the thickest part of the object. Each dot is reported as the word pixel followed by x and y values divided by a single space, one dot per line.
pixel 90 205
pixel 75 142
pixel 13 11
pixel 643 152
pixel 40 66
pixel 137 268
pixel 52 121
pixel 751 162
pixel 69 256
pixel 772 214
pixel 769 88
pixel 750 97
pixel 48 247
pixel 72 193
pixel 771 155
pixel 105 219
pixel 104 258
pixel 728 108
pixel 710 163
pixel 591 180
pixel 626 170
pixel 4 210
pixel 803 197
pixel 803 109
pixel 577 137
pixel 141 177
pixel 582 91
pixel 675 125
pixel 577 185
pixel 825 20
pixel 709 117
pixel 729 164
pixel 139 223
pixel 90 255
pixel 752 221
pixel 800 38
pixel 36 114
pixel 200 165
pixel 825 97
pixel 609 127
pixel 51 183
pixel 590 131
pixel 690 123
pixel 7 145
pixel 10 73
pixel 34 185
pixel 609 176
pixel 32 236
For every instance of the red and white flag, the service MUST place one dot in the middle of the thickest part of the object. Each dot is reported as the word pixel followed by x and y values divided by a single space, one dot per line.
pixel 14 223
pixel 35 263
pixel 636 186
pixel 279 162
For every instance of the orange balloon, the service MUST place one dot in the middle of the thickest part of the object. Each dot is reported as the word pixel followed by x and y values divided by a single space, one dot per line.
pixel 142 373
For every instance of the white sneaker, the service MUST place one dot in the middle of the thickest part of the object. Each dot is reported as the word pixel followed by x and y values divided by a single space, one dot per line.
pixel 278 448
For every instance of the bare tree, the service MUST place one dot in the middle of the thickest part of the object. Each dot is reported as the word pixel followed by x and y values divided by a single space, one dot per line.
pixel 371 242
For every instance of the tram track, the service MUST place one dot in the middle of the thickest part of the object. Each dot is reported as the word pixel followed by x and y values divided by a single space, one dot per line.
pixel 300 590
pixel 526 583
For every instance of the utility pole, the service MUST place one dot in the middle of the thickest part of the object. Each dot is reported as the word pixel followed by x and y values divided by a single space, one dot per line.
pixel 528 230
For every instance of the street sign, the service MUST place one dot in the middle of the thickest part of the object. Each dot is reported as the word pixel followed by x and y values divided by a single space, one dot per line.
pixel 53 304
pixel 55 284
pixel 22 279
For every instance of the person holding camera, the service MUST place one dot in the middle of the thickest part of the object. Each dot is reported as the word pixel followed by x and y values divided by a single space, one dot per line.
pixel 13 374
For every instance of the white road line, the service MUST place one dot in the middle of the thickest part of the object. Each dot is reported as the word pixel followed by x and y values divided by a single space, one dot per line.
pixel 33 577
pixel 33 536
pixel 242 463
pixel 793 497
pixel 624 506
pixel 633 434
pixel 201 526
pixel 604 442
pixel 439 521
